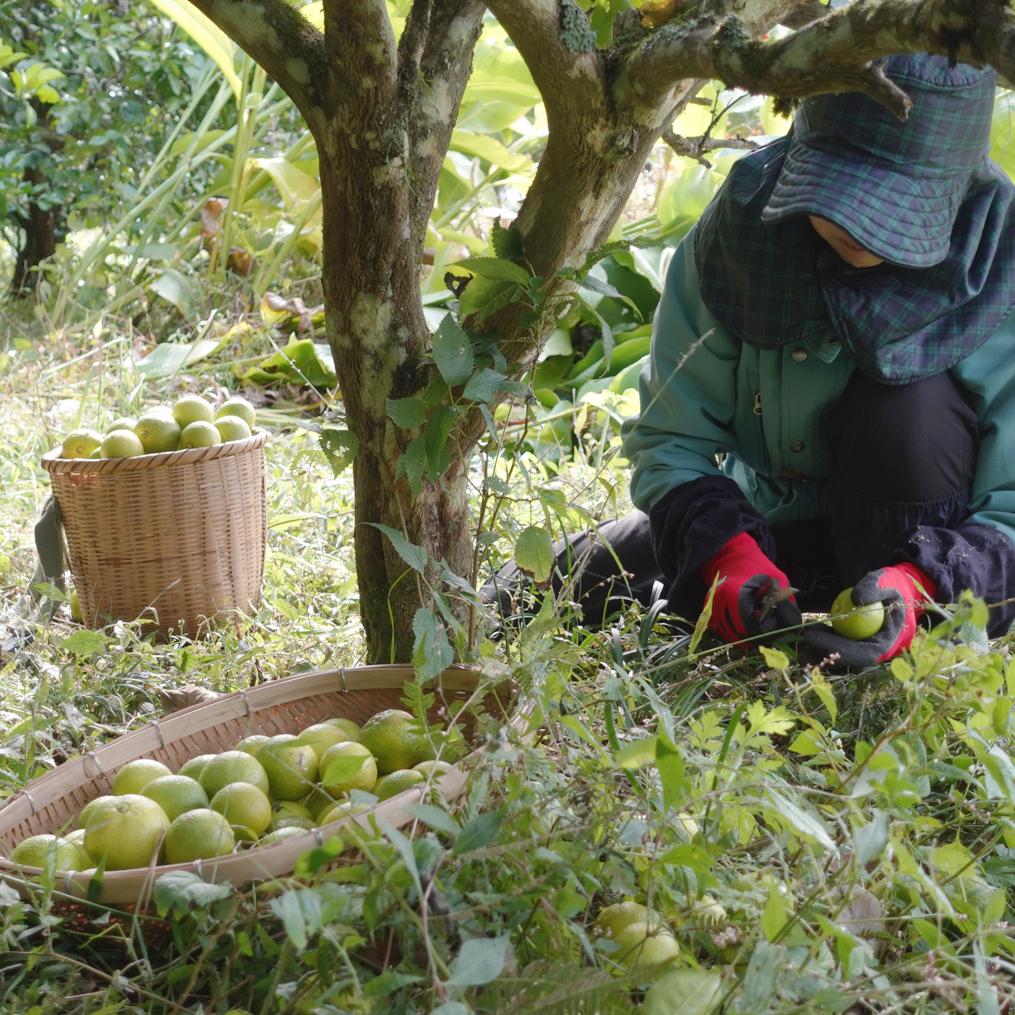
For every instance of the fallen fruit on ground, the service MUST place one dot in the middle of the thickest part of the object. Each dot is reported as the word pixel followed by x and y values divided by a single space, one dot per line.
pixel 135 775
pixel 125 831
pixel 176 794
pixel 855 622
pixel 613 919
pixel 645 944
pixel 199 835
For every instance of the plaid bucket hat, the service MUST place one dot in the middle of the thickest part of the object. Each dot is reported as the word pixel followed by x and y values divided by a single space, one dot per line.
pixel 895 186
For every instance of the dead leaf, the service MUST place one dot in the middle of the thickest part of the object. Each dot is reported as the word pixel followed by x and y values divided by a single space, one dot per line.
pixel 657 12
pixel 210 213
pixel 175 698
pixel 240 261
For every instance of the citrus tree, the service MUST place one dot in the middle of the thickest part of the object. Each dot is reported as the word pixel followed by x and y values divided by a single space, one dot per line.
pixel 382 108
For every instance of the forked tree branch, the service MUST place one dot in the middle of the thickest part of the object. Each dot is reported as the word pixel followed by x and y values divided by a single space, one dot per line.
pixel 833 54
pixel 361 42
pixel 283 42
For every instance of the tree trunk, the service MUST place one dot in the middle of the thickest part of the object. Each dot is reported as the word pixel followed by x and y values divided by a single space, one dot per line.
pixel 39 227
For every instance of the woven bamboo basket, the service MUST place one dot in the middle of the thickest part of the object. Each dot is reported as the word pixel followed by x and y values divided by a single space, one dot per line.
pixel 176 538
pixel 52 802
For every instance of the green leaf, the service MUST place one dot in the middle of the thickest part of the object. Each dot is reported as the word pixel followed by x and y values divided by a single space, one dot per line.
pixel 452 352
pixel 495 268
pixel 480 961
pixel 184 890
pixel 435 818
pixel 180 290
pixel 671 773
pixel 406 413
pixel 486 296
pixel 404 847
pixel 688 854
pixel 295 187
pixel 169 358
pixel 435 440
pixel 412 464
pixel 807 825
pixel 683 992
pixel 773 918
pixel 774 658
pixel 871 838
pixel 340 447
pixel 85 643
pixel 431 652
pixel 483 385
pixel 414 556
pixel 701 624
pixel 638 753
pixel 300 913
pixel 342 769
pixel 480 831
pixel 534 554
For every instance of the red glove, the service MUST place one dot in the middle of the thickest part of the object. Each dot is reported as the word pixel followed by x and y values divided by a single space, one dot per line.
pixel 737 605
pixel 896 589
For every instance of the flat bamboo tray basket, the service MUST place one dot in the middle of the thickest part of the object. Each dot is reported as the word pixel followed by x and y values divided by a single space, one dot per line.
pixel 175 538
pixel 52 802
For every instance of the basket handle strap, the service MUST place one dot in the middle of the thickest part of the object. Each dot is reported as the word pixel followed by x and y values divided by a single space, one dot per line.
pixel 49 545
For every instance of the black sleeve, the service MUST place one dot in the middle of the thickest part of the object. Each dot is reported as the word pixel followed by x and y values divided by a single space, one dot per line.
pixel 690 525
pixel 975 557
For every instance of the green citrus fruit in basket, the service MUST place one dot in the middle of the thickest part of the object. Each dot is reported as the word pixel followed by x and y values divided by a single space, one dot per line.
pixel 232 766
pixel 281 835
pixel 341 811
pixel 232 428
pixel 432 769
pixel 135 775
pixel 193 767
pixel 349 771
pixel 238 407
pixel 77 839
pixel 122 423
pixel 285 812
pixel 192 409
pixel 47 850
pixel 317 801
pixel 613 919
pixel 346 725
pixel 202 834
pixel 126 831
pixel 91 807
pixel 199 435
pixel 176 794
pixel 158 432
pixel 645 944
pixel 321 736
pixel 856 622
pixel 121 444
pixel 394 738
pixel 80 443
pixel 252 744
pixel 245 805
pixel 291 768
pixel 398 782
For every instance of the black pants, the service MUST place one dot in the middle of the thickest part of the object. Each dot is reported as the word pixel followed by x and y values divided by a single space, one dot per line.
pixel 903 456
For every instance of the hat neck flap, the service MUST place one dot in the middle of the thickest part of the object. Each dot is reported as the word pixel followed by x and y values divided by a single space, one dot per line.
pixel 773 285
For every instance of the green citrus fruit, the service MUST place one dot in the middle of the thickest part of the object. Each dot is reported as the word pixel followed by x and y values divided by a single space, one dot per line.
pixel 432 769
pixel 176 794
pixel 305 824
pixel 613 919
pixel 135 775
pixel 122 423
pixel 126 831
pixel 201 834
pixel 193 767
pixel 238 407
pixel 77 840
pixel 398 782
pixel 232 766
pixel 121 444
pixel 242 804
pixel 317 802
pixel 856 622
pixel 158 431
pixel 365 778
pixel 321 736
pixel 393 737
pixel 192 409
pixel 645 944
pixel 199 435
pixel 281 835
pixel 341 811
pixel 285 812
pixel 232 428
pixel 347 725
pixel 291 768
pixel 90 808
pixel 47 850
pixel 80 443
pixel 252 744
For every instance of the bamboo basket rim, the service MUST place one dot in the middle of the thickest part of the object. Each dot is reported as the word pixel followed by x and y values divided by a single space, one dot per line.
pixel 53 463
pixel 135 885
